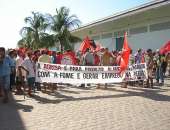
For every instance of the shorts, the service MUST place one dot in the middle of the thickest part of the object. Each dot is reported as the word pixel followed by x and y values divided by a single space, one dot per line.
pixel 5 82
pixel 20 81
pixel 31 81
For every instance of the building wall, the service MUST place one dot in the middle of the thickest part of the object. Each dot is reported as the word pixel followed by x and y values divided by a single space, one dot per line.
pixel 152 34
pixel 153 40
pixel 147 28
pixel 76 46
pixel 107 43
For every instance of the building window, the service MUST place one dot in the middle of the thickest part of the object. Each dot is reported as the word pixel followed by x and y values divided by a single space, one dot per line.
pixel 138 30
pixel 160 26
pixel 119 33
pixel 107 35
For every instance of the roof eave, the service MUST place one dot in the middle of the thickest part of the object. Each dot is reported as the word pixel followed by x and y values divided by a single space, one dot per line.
pixel 132 11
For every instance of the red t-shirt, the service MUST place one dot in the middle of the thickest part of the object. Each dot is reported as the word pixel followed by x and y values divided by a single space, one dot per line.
pixel 58 59
pixel 96 60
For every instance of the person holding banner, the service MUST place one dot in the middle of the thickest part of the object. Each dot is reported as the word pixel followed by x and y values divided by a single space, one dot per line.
pixel 87 59
pixel 114 56
pixel 35 59
pixel 150 63
pixel 20 76
pixel 105 59
pixel 29 66
pixel 45 58
pixel 96 59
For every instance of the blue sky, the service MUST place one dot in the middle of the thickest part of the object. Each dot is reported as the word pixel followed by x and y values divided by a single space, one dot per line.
pixel 13 12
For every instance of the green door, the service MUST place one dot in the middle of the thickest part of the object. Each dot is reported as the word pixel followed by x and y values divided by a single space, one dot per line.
pixel 119 43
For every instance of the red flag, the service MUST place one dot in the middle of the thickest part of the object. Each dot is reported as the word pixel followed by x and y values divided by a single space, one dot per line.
pixel 70 56
pixel 85 44
pixel 98 47
pixel 165 49
pixel 125 54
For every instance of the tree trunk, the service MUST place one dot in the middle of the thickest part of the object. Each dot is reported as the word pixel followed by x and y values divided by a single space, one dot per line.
pixel 61 45
pixel 37 39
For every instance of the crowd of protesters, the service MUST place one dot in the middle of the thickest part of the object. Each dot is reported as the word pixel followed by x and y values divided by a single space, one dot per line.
pixel 18 66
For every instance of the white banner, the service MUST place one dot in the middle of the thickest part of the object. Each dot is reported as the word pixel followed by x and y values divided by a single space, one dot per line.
pixel 136 72
pixel 56 73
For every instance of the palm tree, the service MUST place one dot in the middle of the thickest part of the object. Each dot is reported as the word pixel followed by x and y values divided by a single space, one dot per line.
pixel 26 40
pixel 61 24
pixel 34 34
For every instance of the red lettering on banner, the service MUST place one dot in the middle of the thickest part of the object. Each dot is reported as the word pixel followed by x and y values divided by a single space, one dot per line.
pixel 52 67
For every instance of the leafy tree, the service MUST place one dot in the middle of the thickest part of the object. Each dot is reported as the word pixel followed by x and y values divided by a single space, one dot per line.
pixel 34 35
pixel 47 30
pixel 61 24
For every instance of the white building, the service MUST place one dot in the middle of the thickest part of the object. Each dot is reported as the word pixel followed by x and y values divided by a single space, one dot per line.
pixel 148 26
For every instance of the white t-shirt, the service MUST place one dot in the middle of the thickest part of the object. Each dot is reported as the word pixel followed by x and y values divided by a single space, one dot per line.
pixel 19 61
pixel 30 66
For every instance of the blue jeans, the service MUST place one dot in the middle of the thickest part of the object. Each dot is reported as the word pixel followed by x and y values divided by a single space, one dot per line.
pixel 159 74
pixel 5 82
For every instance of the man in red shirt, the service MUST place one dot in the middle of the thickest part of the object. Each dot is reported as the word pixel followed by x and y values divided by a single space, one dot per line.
pixel 58 57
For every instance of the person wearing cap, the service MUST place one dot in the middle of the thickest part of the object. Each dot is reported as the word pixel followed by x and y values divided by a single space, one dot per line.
pixel 6 68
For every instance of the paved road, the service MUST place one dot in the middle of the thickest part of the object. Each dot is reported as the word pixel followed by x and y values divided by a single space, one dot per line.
pixel 72 108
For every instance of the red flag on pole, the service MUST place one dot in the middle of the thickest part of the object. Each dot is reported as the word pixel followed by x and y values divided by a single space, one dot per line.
pixel 85 44
pixel 165 49
pixel 125 54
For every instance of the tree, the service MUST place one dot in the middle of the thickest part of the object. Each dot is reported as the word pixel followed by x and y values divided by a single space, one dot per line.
pixel 38 32
pixel 61 24
pixel 27 38
pixel 34 35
